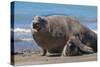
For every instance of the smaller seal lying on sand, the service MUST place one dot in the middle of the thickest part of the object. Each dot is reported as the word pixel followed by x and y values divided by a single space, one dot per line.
pixel 64 35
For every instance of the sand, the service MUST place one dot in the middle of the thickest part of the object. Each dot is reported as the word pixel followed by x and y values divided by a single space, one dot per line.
pixel 34 59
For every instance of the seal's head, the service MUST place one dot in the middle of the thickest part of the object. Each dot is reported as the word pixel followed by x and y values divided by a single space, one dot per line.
pixel 38 23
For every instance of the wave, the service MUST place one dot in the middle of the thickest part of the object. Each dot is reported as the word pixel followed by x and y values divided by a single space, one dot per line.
pixel 21 30
pixel 24 39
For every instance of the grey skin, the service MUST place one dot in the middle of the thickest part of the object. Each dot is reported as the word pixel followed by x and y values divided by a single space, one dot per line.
pixel 64 35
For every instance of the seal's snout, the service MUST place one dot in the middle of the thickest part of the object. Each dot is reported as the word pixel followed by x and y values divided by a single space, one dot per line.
pixel 33 28
pixel 36 26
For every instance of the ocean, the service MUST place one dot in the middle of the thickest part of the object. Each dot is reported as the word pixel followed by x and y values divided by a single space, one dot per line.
pixel 25 11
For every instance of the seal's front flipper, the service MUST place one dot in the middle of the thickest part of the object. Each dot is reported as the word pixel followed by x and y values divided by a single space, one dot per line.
pixel 70 49
pixel 64 51
pixel 44 52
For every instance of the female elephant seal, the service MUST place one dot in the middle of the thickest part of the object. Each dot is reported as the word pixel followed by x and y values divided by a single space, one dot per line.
pixel 64 35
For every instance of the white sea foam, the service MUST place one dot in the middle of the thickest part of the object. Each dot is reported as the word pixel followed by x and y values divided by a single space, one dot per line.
pixel 21 30
pixel 24 39
pixel 25 30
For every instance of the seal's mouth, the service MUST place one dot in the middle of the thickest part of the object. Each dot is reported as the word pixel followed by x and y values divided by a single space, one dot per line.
pixel 34 30
pixel 38 29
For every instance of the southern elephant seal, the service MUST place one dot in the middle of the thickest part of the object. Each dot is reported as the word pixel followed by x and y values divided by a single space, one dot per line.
pixel 63 34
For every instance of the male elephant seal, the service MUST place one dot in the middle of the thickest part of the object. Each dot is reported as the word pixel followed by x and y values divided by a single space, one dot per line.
pixel 64 35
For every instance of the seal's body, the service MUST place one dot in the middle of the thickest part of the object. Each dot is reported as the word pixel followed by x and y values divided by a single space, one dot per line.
pixel 57 33
pixel 48 42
